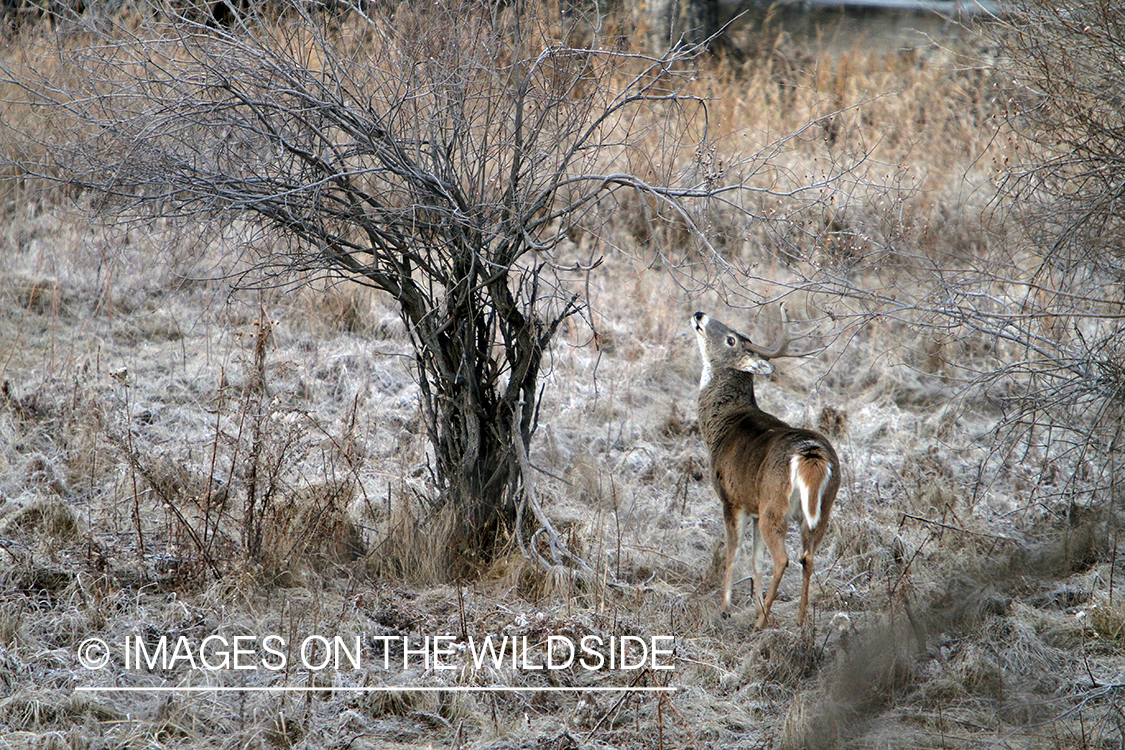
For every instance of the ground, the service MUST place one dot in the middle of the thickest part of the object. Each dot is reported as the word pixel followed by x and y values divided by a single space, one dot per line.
pixel 144 408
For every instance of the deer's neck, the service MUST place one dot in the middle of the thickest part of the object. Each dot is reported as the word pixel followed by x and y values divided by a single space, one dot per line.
pixel 728 400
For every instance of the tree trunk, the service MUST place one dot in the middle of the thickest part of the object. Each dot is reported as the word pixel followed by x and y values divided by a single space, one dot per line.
pixel 478 367
pixel 671 22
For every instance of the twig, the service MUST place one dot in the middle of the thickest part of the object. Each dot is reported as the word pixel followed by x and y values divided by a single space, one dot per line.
pixel 136 464
pixel 559 550
pixel 1113 565
pixel 461 607
pixel 931 522
pixel 612 711
pixel 1089 673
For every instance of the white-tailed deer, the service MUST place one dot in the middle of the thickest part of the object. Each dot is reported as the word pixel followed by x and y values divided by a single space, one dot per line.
pixel 760 466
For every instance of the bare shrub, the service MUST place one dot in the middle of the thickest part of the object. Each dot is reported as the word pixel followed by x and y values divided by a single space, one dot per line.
pixel 447 156
pixel 1065 63
pixel 263 486
pixel 431 154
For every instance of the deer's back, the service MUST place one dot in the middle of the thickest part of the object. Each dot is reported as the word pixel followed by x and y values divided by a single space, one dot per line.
pixel 751 453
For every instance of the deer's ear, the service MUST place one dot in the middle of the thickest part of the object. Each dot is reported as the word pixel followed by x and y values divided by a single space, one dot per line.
pixel 755 365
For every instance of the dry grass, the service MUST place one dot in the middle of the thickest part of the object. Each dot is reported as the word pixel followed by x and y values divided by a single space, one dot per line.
pixel 151 426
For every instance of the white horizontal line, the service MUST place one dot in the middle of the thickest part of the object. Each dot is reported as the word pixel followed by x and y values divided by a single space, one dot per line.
pixel 373 689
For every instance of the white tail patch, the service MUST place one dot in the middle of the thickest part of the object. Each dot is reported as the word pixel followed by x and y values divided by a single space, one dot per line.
pixel 809 504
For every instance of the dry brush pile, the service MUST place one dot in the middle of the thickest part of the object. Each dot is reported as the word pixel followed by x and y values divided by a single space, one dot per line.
pixel 182 456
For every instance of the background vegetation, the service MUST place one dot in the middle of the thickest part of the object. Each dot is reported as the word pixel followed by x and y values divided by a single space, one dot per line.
pixel 183 454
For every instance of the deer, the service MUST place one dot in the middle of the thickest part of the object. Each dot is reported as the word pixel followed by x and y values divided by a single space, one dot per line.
pixel 761 467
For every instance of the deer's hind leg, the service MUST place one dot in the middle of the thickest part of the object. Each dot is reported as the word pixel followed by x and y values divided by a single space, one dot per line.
pixel 810 540
pixel 773 530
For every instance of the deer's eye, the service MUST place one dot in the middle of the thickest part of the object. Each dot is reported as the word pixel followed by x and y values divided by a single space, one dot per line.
pixel 730 340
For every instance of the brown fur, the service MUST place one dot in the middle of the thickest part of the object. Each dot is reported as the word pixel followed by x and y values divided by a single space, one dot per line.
pixel 752 469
